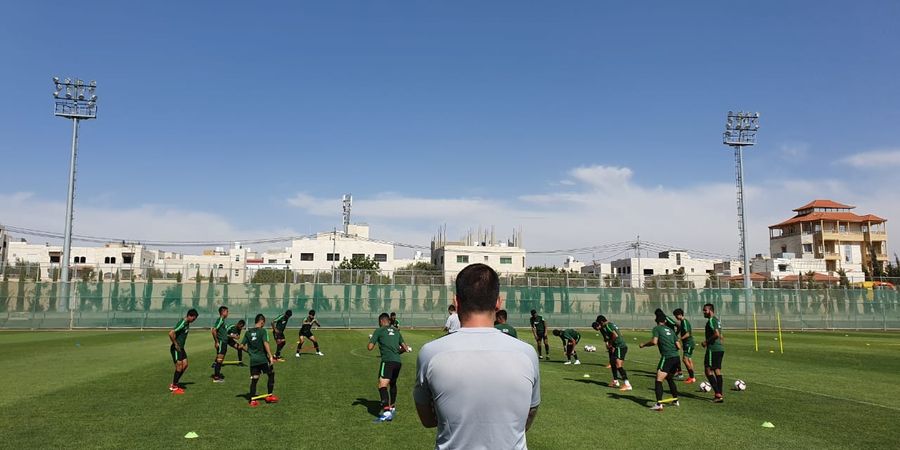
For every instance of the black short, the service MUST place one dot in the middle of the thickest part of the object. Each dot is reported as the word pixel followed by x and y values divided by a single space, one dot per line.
pixel 668 365
pixel 541 335
pixel 278 335
pixel 389 370
pixel 620 352
pixel 177 355
pixel 306 334
pixel 262 368
pixel 713 360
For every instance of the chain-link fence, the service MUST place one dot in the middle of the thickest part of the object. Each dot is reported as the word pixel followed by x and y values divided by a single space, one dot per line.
pixel 29 304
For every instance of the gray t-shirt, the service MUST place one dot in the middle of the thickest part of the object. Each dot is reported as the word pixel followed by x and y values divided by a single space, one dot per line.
pixel 452 324
pixel 482 384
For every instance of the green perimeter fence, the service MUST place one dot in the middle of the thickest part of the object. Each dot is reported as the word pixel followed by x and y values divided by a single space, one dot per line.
pixel 126 304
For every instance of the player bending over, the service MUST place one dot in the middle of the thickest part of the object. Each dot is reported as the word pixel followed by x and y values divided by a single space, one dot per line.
pixel 278 326
pixel 500 324
pixel 391 345
pixel 306 333
pixel 615 344
pixel 178 336
pixel 234 334
pixel 570 340
pixel 256 344
pixel 664 339
pixel 539 331
pixel 685 334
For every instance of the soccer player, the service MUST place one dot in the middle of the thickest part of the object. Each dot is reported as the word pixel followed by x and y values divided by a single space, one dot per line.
pixel 617 347
pixel 500 324
pixel 570 339
pixel 391 345
pixel 673 325
pixel 715 351
pixel 539 331
pixel 685 334
pixel 306 333
pixel 234 334
pixel 452 325
pixel 278 326
pixel 256 344
pixel 612 358
pixel 394 322
pixel 220 341
pixel 178 336
pixel 665 339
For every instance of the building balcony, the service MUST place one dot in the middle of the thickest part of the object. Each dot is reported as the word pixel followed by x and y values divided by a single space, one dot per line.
pixel 841 236
pixel 876 236
pixel 830 256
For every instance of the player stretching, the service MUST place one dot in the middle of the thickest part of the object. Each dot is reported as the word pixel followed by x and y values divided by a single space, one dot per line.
pixel 278 326
pixel 391 345
pixel 306 333
pixel 539 331
pixel 617 351
pixel 256 343
pixel 178 336
pixel 234 334
pixel 673 325
pixel 570 339
pixel 715 351
pixel 500 324
pixel 664 338
pixel 685 334
pixel 220 341
pixel 394 322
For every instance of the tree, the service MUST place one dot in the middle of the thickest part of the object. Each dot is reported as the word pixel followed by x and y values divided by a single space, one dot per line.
pixel 845 282
pixel 266 276
pixel 422 266
pixel 359 262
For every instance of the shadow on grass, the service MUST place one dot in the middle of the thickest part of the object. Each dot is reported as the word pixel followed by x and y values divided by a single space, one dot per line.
pixel 244 396
pixel 645 402
pixel 586 381
pixel 373 406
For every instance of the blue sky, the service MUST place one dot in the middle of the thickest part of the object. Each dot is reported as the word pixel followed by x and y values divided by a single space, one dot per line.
pixel 583 122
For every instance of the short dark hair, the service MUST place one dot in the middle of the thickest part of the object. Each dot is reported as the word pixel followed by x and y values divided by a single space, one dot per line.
pixel 289 313
pixel 501 315
pixel 383 316
pixel 192 313
pixel 223 308
pixel 261 317
pixel 533 312
pixel 312 312
pixel 678 312
pixel 601 318
pixel 659 312
pixel 710 306
pixel 451 308
pixel 241 323
pixel 477 289
pixel 393 313
pixel 557 332
pixel 661 318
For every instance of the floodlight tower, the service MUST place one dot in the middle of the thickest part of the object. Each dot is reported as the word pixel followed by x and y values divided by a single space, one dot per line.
pixel 740 132
pixel 75 100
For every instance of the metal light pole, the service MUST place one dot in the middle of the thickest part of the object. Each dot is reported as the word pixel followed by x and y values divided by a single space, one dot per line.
pixel 75 100
pixel 740 131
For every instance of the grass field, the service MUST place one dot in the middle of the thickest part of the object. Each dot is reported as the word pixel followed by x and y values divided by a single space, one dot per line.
pixel 96 389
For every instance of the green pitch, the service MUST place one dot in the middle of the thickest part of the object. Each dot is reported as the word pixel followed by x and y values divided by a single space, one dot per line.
pixel 94 389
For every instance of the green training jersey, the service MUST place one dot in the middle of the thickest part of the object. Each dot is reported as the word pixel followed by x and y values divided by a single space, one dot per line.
pixel 671 323
pixel 181 331
pixel 233 331
pixel 570 334
pixel 280 322
pixel 619 341
pixel 308 322
pixel 395 323
pixel 684 330
pixel 388 340
pixel 255 339
pixel 665 341
pixel 221 329
pixel 537 322
pixel 712 343
pixel 506 329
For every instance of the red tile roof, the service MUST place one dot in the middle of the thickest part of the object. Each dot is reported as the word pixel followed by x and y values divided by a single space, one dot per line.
pixel 842 216
pixel 753 277
pixel 818 277
pixel 824 204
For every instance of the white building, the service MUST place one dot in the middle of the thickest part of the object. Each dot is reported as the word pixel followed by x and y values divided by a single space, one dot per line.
pixel 327 250
pixel 452 257
pixel 790 266
pixel 633 271
pixel 221 263
pixel 598 269
pixel 572 265
pixel 729 268
pixel 125 258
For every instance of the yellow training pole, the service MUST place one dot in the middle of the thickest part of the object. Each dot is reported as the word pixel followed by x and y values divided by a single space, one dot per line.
pixel 260 397
pixel 755 334
pixel 780 342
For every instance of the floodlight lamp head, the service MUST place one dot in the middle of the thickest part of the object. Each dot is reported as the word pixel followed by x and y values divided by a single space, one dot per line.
pixel 79 83
pixel 93 83
pixel 56 94
pixel 56 80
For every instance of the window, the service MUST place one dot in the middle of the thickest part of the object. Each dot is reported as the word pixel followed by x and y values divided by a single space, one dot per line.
pixel 649 271
pixel 237 273
pixel 485 258
pixel 112 260
pixel 358 256
pixel 306 257
pixel 287 261
pixel 237 258
pixel 221 266
pixel 54 259
pixel 462 258
pixel 79 260
pixel 381 257
pixel 782 267
pixel 127 258
pixel 842 228
pixel 506 260
pixel 784 249
pixel 106 260
pixel 332 256
pixel 273 261
pixel 678 259
pixel 807 248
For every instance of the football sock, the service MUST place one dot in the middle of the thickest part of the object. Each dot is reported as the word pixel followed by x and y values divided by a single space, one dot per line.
pixel 240 355
pixel 712 380
pixel 383 392
pixel 659 391
pixel 316 345
pixel 673 388
pixel 271 384
pixel 539 349
pixel 624 375
pixel 176 377
pixel 218 369
pixel 278 350
pixel 615 372
pixel 253 382
pixel 547 349
pixel 299 346
pixel 691 373
pixel 719 383
pixel 393 391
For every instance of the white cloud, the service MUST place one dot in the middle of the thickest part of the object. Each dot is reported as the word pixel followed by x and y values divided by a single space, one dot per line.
pixel 793 151
pixel 603 177
pixel 876 159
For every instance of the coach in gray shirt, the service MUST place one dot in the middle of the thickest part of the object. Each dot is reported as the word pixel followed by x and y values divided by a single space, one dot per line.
pixel 478 386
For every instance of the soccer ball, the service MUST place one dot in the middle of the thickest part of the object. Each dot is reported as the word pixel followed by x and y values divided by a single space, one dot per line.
pixel 590 348
pixel 705 386
pixel 739 385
